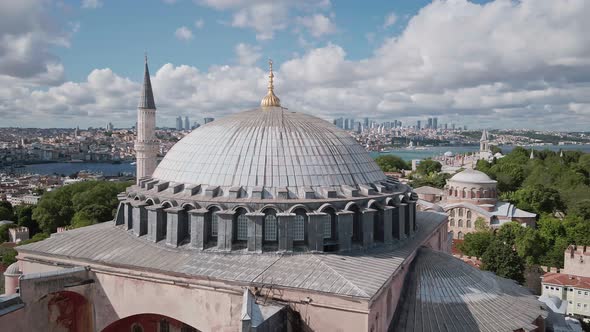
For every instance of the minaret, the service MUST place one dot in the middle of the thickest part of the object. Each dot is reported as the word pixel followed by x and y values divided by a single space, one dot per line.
pixel 532 154
pixel 146 147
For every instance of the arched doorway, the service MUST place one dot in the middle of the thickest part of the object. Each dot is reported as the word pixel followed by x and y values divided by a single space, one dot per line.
pixel 67 311
pixel 148 323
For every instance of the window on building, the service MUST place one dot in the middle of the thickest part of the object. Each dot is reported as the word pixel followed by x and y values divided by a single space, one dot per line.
pixel 452 223
pixel 242 227
pixel 460 223
pixel 578 305
pixel 460 212
pixel 328 227
pixel 164 326
pixel 585 293
pixel 571 289
pixel 552 288
pixel 546 287
pixel 186 328
pixel 468 214
pixel 579 292
pixel 270 227
pixel 468 223
pixel 299 228
pixel 570 302
pixel 452 212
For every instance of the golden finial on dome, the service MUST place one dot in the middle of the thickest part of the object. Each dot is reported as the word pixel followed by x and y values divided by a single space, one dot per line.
pixel 270 100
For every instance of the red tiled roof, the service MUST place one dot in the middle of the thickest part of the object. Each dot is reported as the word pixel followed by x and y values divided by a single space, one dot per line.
pixel 566 280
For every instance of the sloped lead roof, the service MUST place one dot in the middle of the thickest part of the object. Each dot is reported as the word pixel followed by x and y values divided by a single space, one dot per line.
pixel 442 293
pixel 359 274
pixel 147 96
pixel 270 147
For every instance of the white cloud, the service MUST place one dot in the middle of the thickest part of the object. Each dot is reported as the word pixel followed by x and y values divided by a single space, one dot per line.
pixel 200 23
pixel 317 25
pixel 390 20
pixel 27 40
pixel 519 64
pixel 264 16
pixel 247 54
pixel 91 4
pixel 183 33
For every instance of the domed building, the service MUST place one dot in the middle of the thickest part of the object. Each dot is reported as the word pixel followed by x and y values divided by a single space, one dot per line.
pixel 265 220
pixel 472 194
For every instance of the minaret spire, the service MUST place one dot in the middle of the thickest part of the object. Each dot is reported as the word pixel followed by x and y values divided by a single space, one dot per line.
pixel 270 100
pixel 146 146
pixel 147 96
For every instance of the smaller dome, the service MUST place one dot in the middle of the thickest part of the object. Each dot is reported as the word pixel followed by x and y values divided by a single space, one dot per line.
pixel 12 270
pixel 449 154
pixel 472 176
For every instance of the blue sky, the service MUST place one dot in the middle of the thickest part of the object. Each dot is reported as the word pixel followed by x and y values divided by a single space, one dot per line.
pixel 116 34
pixel 494 64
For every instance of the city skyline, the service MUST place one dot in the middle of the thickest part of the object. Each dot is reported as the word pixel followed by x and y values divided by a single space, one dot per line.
pixel 524 66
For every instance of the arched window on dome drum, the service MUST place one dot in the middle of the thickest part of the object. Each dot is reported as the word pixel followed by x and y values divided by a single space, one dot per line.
pixel 460 235
pixel 241 225
pixel 473 194
pixel 451 191
pixel 270 227
pixel 468 223
pixel 464 193
pixel 460 212
pixel 164 326
pixel 460 223
pixel 479 193
pixel 452 212
pixel 298 225
pixel 468 214
pixel 486 194
pixel 211 221
pixel 357 225
pixel 452 223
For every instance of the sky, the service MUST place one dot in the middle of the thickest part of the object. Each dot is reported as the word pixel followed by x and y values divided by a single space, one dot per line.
pixel 484 64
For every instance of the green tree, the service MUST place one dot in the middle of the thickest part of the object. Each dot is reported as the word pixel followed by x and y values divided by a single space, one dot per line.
pixel 581 209
pixel 391 163
pixel 501 259
pixel 6 211
pixel 495 149
pixel 538 199
pixel 428 166
pixel 531 246
pixel 8 256
pixel 433 180
pixel 481 224
pixel 24 217
pixel 509 233
pixel 476 244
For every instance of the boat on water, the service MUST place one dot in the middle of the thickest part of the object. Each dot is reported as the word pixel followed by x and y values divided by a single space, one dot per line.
pixel 76 161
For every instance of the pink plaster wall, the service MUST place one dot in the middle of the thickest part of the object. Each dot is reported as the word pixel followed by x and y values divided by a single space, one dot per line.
pixel 10 284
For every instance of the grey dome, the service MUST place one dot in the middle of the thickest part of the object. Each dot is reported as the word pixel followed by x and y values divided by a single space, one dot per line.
pixel 12 270
pixel 269 147
pixel 472 176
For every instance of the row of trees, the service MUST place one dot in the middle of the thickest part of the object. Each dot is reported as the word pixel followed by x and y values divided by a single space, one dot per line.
pixel 75 205
pixel 522 247
pixel 548 183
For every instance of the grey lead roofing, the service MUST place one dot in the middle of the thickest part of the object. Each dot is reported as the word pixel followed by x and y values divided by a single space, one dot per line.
pixel 147 96
pixel 333 273
pixel 442 293
pixel 270 147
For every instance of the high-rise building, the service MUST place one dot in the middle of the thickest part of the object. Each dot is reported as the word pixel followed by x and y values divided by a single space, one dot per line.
pixel 179 123
pixel 453 126
pixel 429 125
pixel 187 123
pixel 146 147
pixel 207 120
pixel 446 126
pixel 110 126
pixel 434 123
pixel 418 124
pixel 346 124
pixel 366 122
pixel 339 123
